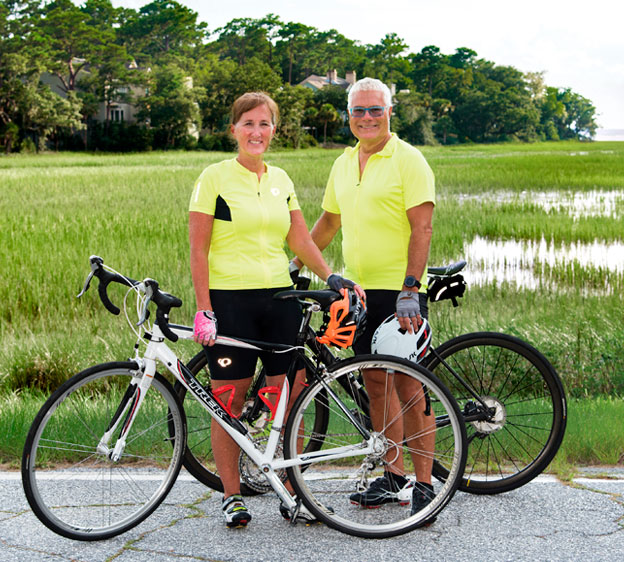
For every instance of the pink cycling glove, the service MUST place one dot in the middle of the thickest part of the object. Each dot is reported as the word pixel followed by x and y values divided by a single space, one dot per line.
pixel 205 326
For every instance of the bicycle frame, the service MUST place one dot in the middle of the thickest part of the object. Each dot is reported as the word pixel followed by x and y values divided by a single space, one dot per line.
pixel 158 351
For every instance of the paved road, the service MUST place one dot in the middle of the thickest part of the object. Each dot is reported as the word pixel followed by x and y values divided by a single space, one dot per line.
pixel 544 520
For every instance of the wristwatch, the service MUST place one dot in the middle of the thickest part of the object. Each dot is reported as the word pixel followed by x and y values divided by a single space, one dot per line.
pixel 411 282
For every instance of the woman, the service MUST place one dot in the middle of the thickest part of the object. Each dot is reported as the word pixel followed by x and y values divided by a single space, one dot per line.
pixel 241 212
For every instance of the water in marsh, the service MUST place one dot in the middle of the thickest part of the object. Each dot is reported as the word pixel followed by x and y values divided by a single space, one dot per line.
pixel 522 262
pixel 577 204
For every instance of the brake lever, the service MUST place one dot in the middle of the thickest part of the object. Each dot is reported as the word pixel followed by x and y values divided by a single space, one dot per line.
pixel 96 263
pixel 87 283
pixel 149 293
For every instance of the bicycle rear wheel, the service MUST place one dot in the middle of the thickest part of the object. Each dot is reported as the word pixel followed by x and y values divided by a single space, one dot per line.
pixel 347 461
pixel 71 483
pixel 198 458
pixel 528 401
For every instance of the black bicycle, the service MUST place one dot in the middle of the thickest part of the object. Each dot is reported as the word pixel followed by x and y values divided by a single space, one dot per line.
pixel 511 397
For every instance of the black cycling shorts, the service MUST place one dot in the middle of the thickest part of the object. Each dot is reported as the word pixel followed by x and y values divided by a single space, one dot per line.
pixel 380 304
pixel 252 314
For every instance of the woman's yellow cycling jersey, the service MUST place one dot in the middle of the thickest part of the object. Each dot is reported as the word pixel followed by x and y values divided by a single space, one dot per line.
pixel 372 208
pixel 251 221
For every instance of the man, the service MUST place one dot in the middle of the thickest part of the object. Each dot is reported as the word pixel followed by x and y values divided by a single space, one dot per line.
pixel 381 192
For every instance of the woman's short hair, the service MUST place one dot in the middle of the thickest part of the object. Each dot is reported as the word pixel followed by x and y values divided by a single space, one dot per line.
pixel 250 101
pixel 370 84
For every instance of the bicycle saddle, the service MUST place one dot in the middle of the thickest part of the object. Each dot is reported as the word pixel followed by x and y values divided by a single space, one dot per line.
pixel 324 297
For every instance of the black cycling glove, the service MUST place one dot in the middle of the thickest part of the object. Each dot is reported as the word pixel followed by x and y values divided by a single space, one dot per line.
pixel 335 283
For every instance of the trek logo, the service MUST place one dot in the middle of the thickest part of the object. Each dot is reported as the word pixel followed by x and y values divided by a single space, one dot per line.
pixel 214 406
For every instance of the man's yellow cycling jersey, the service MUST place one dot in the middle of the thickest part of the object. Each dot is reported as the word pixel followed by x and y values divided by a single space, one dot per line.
pixel 251 221
pixel 375 228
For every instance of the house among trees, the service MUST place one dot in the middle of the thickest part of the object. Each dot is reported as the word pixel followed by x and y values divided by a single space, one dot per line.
pixel 316 82
pixel 118 102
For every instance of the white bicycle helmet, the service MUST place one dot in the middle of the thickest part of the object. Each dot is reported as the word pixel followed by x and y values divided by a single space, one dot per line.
pixel 390 339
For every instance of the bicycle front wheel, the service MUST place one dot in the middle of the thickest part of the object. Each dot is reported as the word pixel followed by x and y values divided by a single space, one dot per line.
pixel 69 479
pixel 350 456
pixel 527 401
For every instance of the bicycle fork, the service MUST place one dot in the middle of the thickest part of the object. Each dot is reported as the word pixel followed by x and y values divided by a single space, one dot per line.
pixel 126 412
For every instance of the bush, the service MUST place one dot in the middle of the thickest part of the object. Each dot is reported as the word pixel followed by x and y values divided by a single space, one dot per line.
pixel 222 142
pixel 120 137
pixel 27 146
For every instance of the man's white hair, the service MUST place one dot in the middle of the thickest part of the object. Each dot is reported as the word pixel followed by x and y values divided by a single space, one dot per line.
pixel 370 84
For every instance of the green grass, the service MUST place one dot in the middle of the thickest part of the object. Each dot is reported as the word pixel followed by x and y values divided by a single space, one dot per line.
pixel 58 209
pixel 593 436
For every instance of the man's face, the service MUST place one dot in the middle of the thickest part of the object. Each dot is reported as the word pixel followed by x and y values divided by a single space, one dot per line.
pixel 367 129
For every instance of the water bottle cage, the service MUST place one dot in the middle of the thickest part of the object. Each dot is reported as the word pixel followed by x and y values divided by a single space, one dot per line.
pixel 263 394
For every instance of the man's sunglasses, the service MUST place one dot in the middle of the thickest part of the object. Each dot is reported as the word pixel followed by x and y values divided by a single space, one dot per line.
pixel 373 110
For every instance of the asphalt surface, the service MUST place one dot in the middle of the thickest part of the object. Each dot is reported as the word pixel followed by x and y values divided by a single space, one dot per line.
pixel 544 520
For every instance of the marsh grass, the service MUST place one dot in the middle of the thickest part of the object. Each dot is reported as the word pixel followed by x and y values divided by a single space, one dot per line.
pixel 57 209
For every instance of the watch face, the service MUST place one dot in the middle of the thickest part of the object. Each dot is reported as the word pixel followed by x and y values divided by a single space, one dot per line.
pixel 411 281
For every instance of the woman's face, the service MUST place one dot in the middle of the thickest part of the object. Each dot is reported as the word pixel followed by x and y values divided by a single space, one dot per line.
pixel 253 131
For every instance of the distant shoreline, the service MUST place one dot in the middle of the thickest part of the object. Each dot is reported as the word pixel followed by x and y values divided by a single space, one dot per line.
pixel 609 135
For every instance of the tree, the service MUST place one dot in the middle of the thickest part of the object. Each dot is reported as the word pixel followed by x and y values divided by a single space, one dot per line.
pixel 335 95
pixel 413 118
pixel 44 113
pixel 254 75
pixel 244 38
pixel 572 115
pixel 462 58
pixel 428 66
pixel 291 45
pixel 292 102
pixel 170 109
pixel 327 115
pixel 159 29
pixel 385 61
pixel 214 77
pixel 73 41
pixel 20 66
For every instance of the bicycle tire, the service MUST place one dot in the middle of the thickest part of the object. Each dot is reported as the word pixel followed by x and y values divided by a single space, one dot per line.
pixel 198 458
pixel 516 379
pixel 69 480
pixel 325 483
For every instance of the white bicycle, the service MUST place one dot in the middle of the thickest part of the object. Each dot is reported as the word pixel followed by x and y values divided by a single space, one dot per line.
pixel 107 446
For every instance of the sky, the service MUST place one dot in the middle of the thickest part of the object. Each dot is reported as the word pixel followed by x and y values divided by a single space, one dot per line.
pixel 577 44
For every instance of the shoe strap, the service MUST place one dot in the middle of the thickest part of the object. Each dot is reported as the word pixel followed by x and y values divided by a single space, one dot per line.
pixel 227 501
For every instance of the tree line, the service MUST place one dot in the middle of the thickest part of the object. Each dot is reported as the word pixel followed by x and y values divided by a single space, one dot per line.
pixel 181 79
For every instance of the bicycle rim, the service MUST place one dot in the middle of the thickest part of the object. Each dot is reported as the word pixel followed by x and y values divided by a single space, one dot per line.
pixel 528 401
pixel 74 488
pixel 350 463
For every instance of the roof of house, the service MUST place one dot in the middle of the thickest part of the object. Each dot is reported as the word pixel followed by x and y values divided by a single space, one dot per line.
pixel 317 82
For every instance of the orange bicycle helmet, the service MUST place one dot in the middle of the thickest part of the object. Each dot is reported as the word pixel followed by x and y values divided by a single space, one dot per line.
pixel 344 321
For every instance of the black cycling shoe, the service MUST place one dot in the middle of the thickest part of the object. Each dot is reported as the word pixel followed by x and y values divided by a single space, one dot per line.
pixel 422 496
pixel 235 512
pixel 384 490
